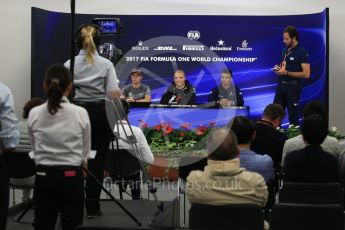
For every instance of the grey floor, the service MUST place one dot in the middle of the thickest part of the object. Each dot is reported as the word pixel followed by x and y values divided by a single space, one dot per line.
pixel 166 191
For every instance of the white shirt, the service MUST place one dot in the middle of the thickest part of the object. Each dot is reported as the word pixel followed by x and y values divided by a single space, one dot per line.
pixel 93 81
pixel 143 147
pixel 60 139
pixel 9 133
pixel 330 144
pixel 24 140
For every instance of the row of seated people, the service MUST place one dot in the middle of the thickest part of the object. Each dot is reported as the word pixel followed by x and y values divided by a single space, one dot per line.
pixel 182 92
pixel 236 175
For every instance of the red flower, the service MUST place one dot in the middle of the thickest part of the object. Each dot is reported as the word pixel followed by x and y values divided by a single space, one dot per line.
pixel 157 128
pixel 143 125
pixel 182 134
pixel 168 129
pixel 185 125
pixel 212 124
pixel 201 130
pixel 199 133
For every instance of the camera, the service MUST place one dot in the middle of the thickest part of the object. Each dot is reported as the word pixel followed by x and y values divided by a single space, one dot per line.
pixel 109 26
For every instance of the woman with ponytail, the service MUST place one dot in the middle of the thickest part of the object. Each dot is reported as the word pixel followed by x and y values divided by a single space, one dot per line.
pixel 95 80
pixel 60 136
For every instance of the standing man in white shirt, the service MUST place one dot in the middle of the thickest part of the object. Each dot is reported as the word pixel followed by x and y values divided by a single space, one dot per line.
pixel 60 138
pixel 95 80
pixel 9 136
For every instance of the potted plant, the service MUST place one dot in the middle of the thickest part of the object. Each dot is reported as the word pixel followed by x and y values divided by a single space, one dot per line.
pixel 168 144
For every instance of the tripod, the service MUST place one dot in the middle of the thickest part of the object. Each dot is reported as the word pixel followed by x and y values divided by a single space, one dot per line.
pixel 111 196
pixel 117 118
pixel 130 174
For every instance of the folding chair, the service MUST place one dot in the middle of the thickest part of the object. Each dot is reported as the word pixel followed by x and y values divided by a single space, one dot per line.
pixel 121 165
pixel 234 216
pixel 307 216
pixel 20 166
pixel 186 165
pixel 312 193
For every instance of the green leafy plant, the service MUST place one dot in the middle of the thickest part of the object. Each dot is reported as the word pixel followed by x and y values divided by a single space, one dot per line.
pixel 293 131
pixel 163 138
pixel 333 132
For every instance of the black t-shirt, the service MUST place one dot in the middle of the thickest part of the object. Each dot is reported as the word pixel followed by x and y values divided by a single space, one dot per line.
pixel 269 141
pixel 293 59
pixel 311 164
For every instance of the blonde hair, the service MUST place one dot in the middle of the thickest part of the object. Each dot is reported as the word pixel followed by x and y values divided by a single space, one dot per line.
pixel 87 33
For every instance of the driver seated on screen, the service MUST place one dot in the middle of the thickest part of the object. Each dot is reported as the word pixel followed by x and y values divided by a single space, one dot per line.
pixel 136 91
pixel 180 92
pixel 226 94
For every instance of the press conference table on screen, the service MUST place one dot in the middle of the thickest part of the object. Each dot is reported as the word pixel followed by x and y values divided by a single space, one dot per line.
pixel 195 115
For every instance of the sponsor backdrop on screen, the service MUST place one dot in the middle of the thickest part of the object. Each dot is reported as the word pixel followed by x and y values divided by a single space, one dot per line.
pixel 200 45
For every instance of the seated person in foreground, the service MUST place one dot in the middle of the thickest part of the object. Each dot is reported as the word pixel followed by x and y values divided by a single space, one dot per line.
pixel 25 147
pixel 180 92
pixel 268 139
pixel 312 163
pixel 136 92
pixel 143 147
pixel 330 144
pixel 226 94
pixel 217 184
pixel 245 133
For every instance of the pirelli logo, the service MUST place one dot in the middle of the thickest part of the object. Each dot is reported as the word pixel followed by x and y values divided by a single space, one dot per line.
pixel 193 47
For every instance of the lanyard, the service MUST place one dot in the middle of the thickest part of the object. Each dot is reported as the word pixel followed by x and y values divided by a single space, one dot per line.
pixel 289 51
pixel 265 122
pixel 283 64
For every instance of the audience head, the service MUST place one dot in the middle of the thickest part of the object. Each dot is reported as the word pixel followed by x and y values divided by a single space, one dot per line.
pixel 136 75
pixel 244 129
pixel 36 101
pixel 274 113
pixel 222 145
pixel 315 107
pixel 88 36
pixel 314 129
pixel 226 77
pixel 180 79
pixel 57 83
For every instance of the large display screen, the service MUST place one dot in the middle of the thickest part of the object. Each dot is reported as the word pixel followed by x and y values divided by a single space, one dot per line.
pixel 202 46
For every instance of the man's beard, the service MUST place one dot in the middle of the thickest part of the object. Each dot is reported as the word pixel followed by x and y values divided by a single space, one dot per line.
pixel 289 45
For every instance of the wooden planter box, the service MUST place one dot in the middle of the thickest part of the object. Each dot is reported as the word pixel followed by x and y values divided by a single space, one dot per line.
pixel 160 169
